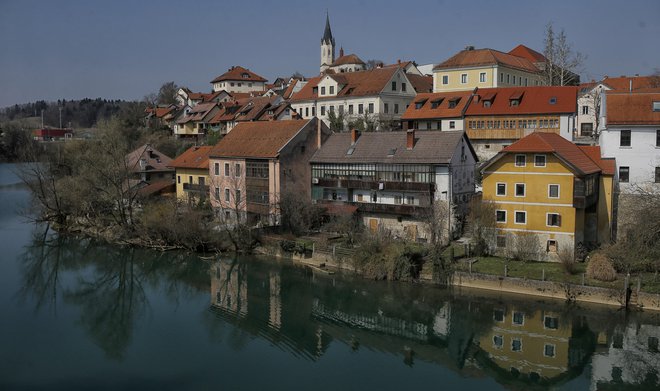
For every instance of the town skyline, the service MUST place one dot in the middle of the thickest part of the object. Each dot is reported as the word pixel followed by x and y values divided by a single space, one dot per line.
pixel 70 50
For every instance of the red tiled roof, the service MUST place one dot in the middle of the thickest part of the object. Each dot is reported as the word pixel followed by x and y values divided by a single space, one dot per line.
pixel 607 166
pixel 155 160
pixel 639 83
pixel 533 100
pixel 289 90
pixel 479 57
pixel 530 54
pixel 193 157
pixel 159 187
pixel 426 111
pixel 632 109
pixel 160 112
pixel 421 83
pixel 554 143
pixel 360 83
pixel 259 139
pixel 237 73
pixel 347 59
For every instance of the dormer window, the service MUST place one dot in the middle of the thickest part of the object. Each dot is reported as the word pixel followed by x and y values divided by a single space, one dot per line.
pixel 453 102
pixel 391 152
pixel 656 106
pixel 436 103
pixel 419 104
pixel 514 99
pixel 514 102
pixel 245 75
pixel 315 90
pixel 553 100
pixel 486 103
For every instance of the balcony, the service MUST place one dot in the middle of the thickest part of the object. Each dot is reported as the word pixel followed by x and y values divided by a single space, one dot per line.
pixel 580 199
pixel 194 188
pixel 375 185
pixel 368 207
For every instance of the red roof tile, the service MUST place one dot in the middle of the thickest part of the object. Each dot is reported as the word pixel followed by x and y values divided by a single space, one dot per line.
pixel 239 73
pixel 421 83
pixel 533 100
pixel 632 109
pixel 441 109
pixel 530 54
pixel 639 83
pixel 347 59
pixel 193 157
pixel 260 139
pixel 479 57
pixel 360 83
pixel 554 143
pixel 607 166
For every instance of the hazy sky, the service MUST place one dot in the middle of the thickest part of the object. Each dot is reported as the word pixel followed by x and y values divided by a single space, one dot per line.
pixel 127 49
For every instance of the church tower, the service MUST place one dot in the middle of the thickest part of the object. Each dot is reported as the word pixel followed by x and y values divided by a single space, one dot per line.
pixel 327 46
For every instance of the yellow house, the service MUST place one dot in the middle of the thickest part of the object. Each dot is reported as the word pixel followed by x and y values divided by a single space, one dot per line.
pixel 545 187
pixel 485 68
pixel 192 173
pixel 536 344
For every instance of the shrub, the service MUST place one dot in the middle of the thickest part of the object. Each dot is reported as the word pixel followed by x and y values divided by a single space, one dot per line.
pixel 567 259
pixel 600 268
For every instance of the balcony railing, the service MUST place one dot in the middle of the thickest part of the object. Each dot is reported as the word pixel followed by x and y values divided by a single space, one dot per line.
pixel 376 185
pixel 196 188
pixel 368 207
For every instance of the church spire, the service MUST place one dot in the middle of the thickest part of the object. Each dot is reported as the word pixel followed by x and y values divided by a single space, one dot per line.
pixel 327 34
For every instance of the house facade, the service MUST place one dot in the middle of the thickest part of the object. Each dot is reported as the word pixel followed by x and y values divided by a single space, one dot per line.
pixel 197 120
pixel 630 132
pixel 192 174
pixel 395 179
pixel 239 79
pixel 550 190
pixel 150 165
pixel 497 117
pixel 437 111
pixel 258 162
pixel 484 68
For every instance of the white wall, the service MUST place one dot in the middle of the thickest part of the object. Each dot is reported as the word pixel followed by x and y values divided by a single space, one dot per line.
pixel 643 156
pixel 245 86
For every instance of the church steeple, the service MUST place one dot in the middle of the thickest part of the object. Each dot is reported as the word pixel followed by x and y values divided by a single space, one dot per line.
pixel 327 45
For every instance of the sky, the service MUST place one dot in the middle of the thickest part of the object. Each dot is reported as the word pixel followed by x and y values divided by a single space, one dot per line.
pixel 126 49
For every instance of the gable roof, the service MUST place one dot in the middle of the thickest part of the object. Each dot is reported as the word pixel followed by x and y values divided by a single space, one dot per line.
pixel 160 112
pixel 347 59
pixel 442 110
pixel 260 139
pixel 607 166
pixel 236 73
pixel 528 53
pixel 632 109
pixel 361 83
pixel 193 157
pixel 481 57
pixel 420 83
pixel 532 100
pixel 198 112
pixel 553 143
pixel 154 159
pixel 639 83
pixel 431 147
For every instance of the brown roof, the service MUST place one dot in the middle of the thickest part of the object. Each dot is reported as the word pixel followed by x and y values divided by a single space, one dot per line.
pixel 607 166
pixel 530 54
pixel 159 187
pixel 347 59
pixel 377 147
pixel 238 73
pixel 154 159
pixel 289 89
pixel 639 83
pixel 556 144
pixel 193 157
pixel 632 109
pixel 360 83
pixel 441 101
pixel 260 139
pixel 533 100
pixel 160 112
pixel 198 112
pixel 479 57
pixel 421 83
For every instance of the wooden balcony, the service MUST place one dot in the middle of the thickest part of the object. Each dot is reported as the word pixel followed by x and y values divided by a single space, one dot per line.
pixel 376 185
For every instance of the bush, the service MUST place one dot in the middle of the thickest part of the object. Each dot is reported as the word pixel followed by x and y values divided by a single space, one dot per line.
pixel 568 261
pixel 600 268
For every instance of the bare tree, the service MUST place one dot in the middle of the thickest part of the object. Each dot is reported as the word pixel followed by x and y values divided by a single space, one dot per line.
pixel 167 93
pixel 437 221
pixel 481 225
pixel 562 62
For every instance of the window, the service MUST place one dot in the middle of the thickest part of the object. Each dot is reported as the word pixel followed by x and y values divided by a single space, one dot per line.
pixel 178 179
pixel 350 109
pixel 332 90
pixel 624 174
pixel 238 197
pixel 237 170
pixel 498 341
pixel 518 318
pixel 313 111
pixel 551 246
pixel 190 180
pixel 521 217
pixel 657 175
pixel 653 344
pixel 452 124
pixel 553 191
pixel 322 90
pixel 520 189
pixel 657 138
pixel 501 241
pixel 322 110
pixel 498 315
pixel 332 108
pixel 360 108
pixel 553 219
pixel 398 199
pixel 500 216
pixel 216 193
pixel 227 195
pixel 585 110
pixel 445 79
pixel 306 111
pixel 539 160
pixel 549 350
pixel 396 108
pixel 501 77
pixel 226 169
pixel 393 86
pixel 482 77
pixel 371 108
pixel 403 87
pixel 551 322
pixel 464 78
pixel 656 106
pixel 516 345
pixel 501 189
pixel 625 138
pixel 386 108
pixel 520 161
pixel 508 78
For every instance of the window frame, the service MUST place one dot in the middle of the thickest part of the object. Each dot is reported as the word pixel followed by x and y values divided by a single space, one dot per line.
pixel 520 347
pixel 497 189
pixel 627 138
pixel 513 318
pixel 445 79
pixel 497 216
pixel 547 219
pixel 515 190
pixel 515 217
pixel 545 160
pixel 482 77
pixel 627 170
pixel 524 163
pixel 558 191
pixel 545 350
pixel 464 78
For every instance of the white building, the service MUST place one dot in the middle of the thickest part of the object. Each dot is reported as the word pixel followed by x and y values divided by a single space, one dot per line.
pixel 630 133
pixel 239 79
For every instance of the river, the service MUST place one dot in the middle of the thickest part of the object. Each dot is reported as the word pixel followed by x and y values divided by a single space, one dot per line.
pixel 78 314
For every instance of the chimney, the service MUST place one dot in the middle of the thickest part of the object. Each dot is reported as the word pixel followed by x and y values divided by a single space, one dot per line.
pixel 410 139
pixel 355 135
pixel 630 85
pixel 398 61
